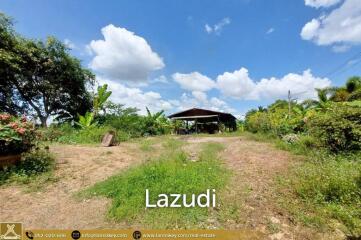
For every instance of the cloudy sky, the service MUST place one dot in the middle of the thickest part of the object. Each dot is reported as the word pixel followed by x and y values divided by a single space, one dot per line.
pixel 229 55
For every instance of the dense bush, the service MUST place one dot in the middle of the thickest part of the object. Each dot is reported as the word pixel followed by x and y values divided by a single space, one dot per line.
pixel 257 122
pixel 17 135
pixel 129 124
pixel 339 128
pixel 275 120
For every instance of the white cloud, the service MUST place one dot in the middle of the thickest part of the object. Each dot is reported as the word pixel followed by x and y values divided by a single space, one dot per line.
pixel 302 86
pixel 321 3
pixel 201 100
pixel 269 31
pixel 217 28
pixel 68 43
pixel 208 28
pixel 341 48
pixel 310 29
pixel 342 25
pixel 200 96
pixel 236 84
pixel 135 97
pixel 194 81
pixel 239 85
pixel 160 79
pixel 123 56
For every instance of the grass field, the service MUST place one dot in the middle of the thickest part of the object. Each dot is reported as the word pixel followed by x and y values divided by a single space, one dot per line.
pixel 172 172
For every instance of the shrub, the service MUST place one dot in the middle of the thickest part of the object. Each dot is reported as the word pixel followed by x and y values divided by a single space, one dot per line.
pixel 17 135
pixel 258 122
pixel 38 161
pixel 307 141
pixel 88 135
pixel 32 163
pixel 128 124
pixel 339 128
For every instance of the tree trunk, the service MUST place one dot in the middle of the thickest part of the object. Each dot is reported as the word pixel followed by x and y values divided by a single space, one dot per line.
pixel 43 121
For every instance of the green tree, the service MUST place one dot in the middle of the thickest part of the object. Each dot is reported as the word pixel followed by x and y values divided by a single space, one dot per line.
pixel 40 78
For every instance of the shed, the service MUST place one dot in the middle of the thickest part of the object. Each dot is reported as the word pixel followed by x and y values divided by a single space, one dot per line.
pixel 203 120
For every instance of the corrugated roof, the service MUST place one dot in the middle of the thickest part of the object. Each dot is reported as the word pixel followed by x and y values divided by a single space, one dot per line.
pixel 199 112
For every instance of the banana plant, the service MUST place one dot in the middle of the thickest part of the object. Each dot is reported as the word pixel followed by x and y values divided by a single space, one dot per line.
pixel 155 122
pixel 100 99
pixel 86 121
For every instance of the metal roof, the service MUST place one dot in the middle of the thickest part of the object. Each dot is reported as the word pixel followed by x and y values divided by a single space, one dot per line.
pixel 198 113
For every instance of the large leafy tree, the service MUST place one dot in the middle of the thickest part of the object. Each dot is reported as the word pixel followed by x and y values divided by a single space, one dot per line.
pixel 40 78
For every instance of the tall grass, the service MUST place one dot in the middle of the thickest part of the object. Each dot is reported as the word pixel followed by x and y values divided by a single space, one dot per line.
pixel 329 187
pixel 172 172
pixel 322 189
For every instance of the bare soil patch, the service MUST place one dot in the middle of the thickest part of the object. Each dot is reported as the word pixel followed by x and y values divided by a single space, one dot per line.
pixel 55 206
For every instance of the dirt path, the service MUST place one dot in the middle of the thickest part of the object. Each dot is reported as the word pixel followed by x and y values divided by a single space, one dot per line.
pixel 55 206
pixel 254 165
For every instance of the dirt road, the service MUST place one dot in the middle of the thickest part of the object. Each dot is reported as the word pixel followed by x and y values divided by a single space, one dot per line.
pixel 254 165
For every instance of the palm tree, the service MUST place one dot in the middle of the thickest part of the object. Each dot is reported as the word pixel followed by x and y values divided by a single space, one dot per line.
pixel 324 99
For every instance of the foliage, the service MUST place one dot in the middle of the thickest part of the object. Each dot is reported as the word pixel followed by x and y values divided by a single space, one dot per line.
pixel 173 172
pixel 334 119
pixel 99 102
pixel 276 119
pixel 86 120
pixel 40 78
pixel 31 165
pixel 89 135
pixel 54 132
pixel 17 135
pixel 129 123
pixel 329 187
pixel 339 129
pixel 101 98
pixel 156 124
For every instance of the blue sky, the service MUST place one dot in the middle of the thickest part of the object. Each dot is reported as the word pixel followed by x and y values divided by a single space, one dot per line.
pixel 225 55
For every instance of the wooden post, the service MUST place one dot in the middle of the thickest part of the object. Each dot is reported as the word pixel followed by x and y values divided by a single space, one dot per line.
pixel 196 126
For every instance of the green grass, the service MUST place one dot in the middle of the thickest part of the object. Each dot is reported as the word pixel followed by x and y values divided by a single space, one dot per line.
pixel 146 145
pixel 172 172
pixel 322 191
pixel 327 190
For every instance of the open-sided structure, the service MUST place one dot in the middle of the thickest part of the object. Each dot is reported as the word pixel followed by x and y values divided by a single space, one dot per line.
pixel 203 120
